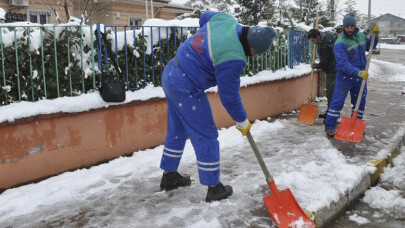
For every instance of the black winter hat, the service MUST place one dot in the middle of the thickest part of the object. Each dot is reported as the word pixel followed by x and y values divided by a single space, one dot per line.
pixel 313 33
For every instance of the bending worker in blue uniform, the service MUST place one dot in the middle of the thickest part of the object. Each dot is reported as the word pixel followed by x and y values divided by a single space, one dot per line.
pixel 350 53
pixel 214 56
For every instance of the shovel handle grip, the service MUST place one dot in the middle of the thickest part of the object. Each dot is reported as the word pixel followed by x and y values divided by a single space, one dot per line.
pixel 269 178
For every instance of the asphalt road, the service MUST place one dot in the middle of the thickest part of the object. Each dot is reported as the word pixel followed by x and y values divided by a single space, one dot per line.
pixel 391 55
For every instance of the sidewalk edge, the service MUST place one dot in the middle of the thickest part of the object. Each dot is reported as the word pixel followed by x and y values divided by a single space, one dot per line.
pixel 328 214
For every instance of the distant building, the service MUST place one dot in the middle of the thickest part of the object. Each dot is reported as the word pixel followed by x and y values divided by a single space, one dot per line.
pixel 131 12
pixel 390 25
pixel 109 12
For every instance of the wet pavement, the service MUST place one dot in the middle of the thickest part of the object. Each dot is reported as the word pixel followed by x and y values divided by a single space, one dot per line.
pixel 391 55
pixel 386 107
pixel 385 115
pixel 362 214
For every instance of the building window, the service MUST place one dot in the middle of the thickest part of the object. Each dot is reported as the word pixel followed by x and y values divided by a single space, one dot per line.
pixel 383 24
pixel 40 16
pixel 135 21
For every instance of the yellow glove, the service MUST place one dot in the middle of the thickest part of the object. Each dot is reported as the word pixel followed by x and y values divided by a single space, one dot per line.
pixel 244 126
pixel 375 30
pixel 363 74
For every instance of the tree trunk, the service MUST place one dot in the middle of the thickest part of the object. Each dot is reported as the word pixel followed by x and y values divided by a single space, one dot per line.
pixel 65 6
pixel 307 22
pixel 332 10
pixel 302 13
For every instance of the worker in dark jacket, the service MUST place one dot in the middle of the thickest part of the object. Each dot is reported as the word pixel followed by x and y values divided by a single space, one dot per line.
pixel 214 56
pixel 327 62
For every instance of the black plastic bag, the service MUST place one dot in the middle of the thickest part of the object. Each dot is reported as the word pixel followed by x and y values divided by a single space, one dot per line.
pixel 111 91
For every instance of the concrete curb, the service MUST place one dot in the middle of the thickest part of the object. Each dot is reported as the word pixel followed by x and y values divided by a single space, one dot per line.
pixel 327 214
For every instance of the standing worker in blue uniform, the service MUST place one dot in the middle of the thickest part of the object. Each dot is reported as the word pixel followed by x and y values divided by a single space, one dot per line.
pixel 214 56
pixel 350 53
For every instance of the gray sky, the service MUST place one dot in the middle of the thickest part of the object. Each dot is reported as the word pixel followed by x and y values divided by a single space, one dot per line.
pixel 378 7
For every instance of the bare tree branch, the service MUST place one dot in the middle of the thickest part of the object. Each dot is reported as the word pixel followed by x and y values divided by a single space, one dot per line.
pixel 55 7
pixel 65 5
pixel 91 6
pixel 87 7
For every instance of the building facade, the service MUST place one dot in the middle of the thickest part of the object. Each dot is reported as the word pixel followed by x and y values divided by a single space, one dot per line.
pixel 109 12
pixel 390 25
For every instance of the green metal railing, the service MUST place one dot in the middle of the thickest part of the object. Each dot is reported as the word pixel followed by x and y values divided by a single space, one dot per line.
pixel 46 62
pixel 276 58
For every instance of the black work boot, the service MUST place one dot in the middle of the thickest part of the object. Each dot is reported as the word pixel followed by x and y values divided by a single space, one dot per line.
pixel 173 180
pixel 330 133
pixel 323 115
pixel 218 192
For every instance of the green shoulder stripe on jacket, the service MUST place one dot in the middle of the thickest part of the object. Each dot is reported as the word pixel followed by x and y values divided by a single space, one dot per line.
pixel 352 43
pixel 223 40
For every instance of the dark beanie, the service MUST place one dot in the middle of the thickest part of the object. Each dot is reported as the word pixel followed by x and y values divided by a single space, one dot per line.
pixel 349 19
pixel 313 33
pixel 260 38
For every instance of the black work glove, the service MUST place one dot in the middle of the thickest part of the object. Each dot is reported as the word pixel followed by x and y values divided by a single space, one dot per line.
pixel 315 66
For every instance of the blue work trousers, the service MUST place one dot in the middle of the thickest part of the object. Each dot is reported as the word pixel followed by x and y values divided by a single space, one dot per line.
pixel 189 115
pixel 343 85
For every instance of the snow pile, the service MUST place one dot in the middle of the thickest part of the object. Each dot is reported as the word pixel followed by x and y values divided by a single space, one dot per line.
pixel 358 219
pixel 2 14
pixel 389 195
pixel 383 70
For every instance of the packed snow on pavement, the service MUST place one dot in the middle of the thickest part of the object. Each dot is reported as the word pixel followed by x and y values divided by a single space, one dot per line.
pixel 384 204
pixel 126 190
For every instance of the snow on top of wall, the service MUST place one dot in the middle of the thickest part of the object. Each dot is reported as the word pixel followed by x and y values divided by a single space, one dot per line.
pixel 186 22
pixel 86 102
pixel 2 14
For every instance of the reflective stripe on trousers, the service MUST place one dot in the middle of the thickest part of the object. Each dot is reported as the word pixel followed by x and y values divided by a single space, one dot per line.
pixel 189 116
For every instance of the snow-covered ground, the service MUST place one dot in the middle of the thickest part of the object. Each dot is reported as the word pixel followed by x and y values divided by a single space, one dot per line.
pixel 386 71
pixel 391 198
pixel 125 192
pixel 384 204
pixel 393 46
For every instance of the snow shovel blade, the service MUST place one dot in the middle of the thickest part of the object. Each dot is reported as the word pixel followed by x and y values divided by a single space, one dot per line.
pixel 308 113
pixel 285 211
pixel 351 129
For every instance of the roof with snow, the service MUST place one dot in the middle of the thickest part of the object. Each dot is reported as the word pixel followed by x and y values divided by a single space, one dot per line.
pixel 387 15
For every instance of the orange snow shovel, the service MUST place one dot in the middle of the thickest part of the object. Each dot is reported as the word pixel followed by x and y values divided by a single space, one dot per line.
pixel 308 112
pixel 281 205
pixel 352 129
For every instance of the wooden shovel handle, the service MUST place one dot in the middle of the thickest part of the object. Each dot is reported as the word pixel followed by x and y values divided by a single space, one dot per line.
pixel 269 178
pixel 363 83
pixel 313 59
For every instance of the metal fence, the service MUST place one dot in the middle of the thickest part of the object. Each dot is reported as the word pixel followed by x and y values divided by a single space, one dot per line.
pixel 45 62
pixel 299 51
pixel 154 47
